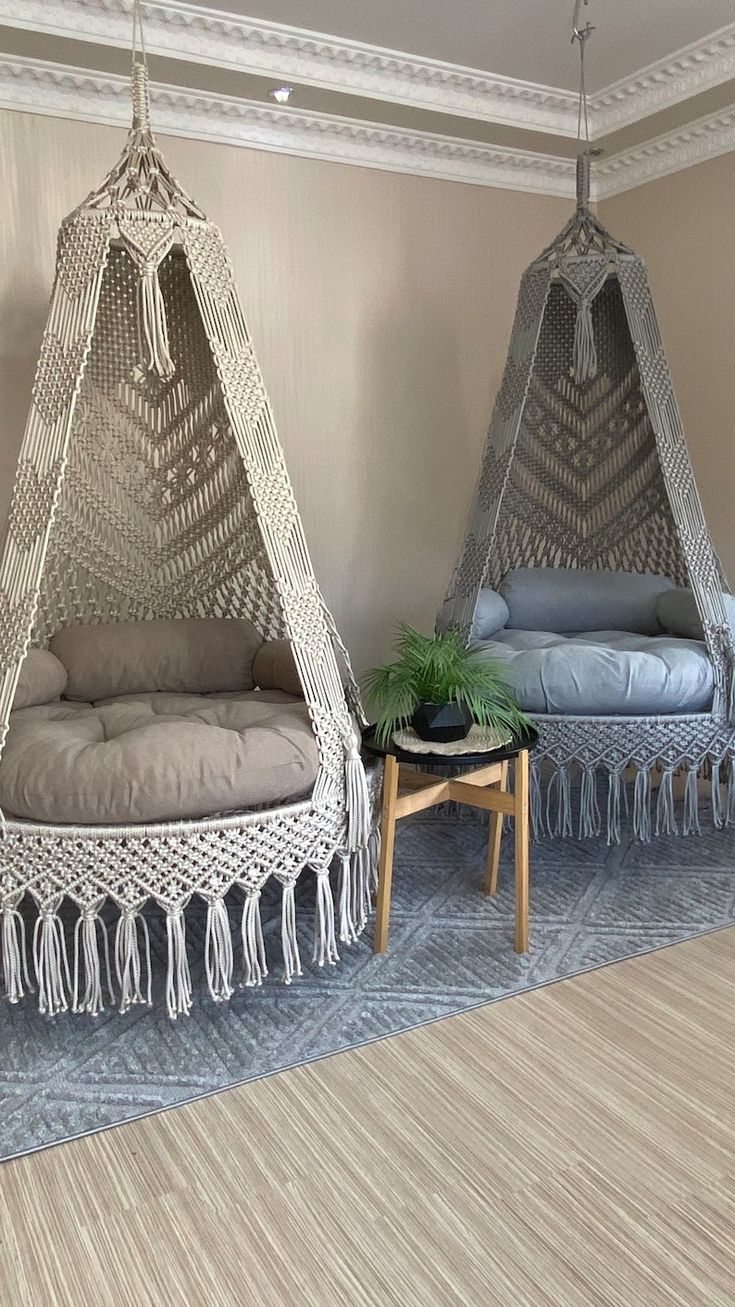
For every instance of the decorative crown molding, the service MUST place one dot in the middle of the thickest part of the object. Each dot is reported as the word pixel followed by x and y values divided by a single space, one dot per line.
pixel 695 68
pixel 251 45
pixel 36 86
pixel 705 138
pixel 180 30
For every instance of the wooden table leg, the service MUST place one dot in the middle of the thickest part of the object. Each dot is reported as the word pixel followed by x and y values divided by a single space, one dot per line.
pixel 493 844
pixel 520 822
pixel 387 843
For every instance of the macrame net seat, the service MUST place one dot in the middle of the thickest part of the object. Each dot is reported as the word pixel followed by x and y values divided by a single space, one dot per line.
pixel 586 465
pixel 151 484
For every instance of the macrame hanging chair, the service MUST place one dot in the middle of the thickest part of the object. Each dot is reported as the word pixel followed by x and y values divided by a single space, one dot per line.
pixel 586 466
pixel 151 484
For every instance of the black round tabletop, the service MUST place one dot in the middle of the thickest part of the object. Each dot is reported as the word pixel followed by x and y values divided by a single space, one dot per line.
pixel 526 741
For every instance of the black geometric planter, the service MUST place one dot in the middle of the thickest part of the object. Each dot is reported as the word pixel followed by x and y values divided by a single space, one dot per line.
pixel 442 722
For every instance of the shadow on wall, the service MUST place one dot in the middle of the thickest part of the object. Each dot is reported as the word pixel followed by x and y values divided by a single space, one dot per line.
pixel 23 314
pixel 411 474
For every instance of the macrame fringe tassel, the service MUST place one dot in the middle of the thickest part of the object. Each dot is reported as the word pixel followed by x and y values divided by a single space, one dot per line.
pixel 154 327
pixel 178 976
pixel 289 942
pixel 357 798
pixel 691 804
pixel 15 957
pixel 665 814
pixel 128 962
pixel 584 356
pixel 374 862
pixel 719 812
pixel 730 816
pixel 361 898
pixel 642 806
pixel 347 932
pixel 51 964
pixel 87 954
pixel 590 820
pixel 219 960
pixel 613 808
pixel 325 941
pixel 253 947
pixel 535 802
pixel 561 783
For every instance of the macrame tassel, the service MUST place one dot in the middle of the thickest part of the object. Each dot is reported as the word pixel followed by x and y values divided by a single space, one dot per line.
pixel 128 964
pixel 665 814
pixel 730 816
pixel 642 806
pixel 15 958
pixel 325 941
pixel 360 890
pixel 153 324
pixel 357 799
pixel 590 820
pixel 691 804
pixel 51 964
pixel 178 976
pixel 253 947
pixel 535 804
pixel 560 781
pixel 347 931
pixel 719 813
pixel 289 942
pixel 219 961
pixel 374 861
pixel 613 808
pixel 87 952
pixel 584 356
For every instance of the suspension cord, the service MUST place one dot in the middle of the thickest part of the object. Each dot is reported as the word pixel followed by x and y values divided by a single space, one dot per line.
pixel 138 34
pixel 582 35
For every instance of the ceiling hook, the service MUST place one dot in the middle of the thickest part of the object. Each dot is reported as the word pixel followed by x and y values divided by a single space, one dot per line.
pixel 580 34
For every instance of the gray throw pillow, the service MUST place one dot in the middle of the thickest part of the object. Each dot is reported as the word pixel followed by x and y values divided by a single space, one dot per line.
pixel 194 655
pixel 42 679
pixel 576 599
pixel 677 612
pixel 491 615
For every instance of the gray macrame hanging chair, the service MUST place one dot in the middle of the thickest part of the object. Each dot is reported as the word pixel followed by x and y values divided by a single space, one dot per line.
pixel 151 484
pixel 586 466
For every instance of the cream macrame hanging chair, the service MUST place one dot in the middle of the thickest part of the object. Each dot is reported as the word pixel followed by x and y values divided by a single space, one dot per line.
pixel 586 466
pixel 151 484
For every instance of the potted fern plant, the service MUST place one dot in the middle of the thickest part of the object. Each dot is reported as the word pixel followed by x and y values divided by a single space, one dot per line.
pixel 441 687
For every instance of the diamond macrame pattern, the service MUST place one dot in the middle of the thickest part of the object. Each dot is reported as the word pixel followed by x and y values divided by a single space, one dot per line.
pixel 82 248
pixel 33 497
pixel 209 261
pixel 58 370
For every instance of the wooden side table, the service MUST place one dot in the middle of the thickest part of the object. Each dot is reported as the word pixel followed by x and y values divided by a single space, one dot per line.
pixel 482 783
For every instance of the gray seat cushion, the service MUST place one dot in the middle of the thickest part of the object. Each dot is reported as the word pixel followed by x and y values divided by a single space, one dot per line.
pixel 156 757
pixel 576 599
pixel 604 672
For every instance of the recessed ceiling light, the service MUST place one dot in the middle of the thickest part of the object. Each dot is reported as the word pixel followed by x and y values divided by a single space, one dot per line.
pixel 281 94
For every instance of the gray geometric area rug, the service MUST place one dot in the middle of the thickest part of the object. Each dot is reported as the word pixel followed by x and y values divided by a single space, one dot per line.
pixel 451 949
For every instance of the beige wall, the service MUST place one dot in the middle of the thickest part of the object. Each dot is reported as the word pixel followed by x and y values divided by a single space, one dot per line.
pixel 684 227
pixel 380 306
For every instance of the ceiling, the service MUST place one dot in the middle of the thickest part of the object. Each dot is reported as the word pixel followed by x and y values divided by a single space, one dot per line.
pixel 479 91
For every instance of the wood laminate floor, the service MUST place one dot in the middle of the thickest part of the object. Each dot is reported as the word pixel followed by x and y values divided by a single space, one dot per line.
pixel 570 1147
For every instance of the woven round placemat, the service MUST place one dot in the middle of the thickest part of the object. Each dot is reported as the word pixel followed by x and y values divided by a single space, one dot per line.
pixel 481 739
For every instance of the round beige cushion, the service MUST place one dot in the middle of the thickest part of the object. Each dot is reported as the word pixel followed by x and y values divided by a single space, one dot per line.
pixel 155 757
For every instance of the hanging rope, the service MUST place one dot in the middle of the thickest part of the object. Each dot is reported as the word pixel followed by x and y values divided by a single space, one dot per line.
pixel 584 353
